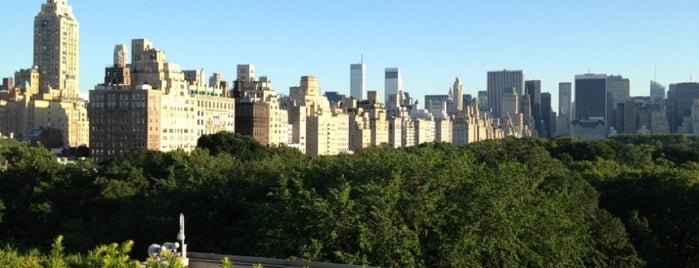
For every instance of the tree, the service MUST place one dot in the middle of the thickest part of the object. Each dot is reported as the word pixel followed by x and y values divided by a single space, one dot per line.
pixel 240 146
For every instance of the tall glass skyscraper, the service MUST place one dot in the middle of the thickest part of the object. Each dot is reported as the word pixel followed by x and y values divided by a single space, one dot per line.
pixel 393 82
pixel 657 92
pixel 564 100
pixel 498 82
pixel 591 97
pixel 357 81
pixel 680 98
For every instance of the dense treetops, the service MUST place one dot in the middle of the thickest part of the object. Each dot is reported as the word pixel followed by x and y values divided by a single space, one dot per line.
pixel 622 202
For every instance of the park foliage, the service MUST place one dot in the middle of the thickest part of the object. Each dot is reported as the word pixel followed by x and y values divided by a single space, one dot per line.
pixel 626 201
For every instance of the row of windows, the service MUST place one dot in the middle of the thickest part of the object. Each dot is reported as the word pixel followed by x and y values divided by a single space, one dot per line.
pixel 215 105
pixel 113 104
pixel 111 129
pixel 98 140
pixel 122 119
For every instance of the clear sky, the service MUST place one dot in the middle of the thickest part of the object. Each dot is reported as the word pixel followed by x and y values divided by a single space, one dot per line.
pixel 432 42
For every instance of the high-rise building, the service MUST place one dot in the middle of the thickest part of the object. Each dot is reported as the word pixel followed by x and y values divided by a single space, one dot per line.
pixel 44 98
pixel 393 83
pixel 472 126
pixel 618 94
pixel 219 82
pixel 162 111
pixel 590 97
pixel 565 111
pixel 146 60
pixel 483 104
pixel 56 39
pixel 28 79
pixel 7 83
pixel 657 92
pixel 510 102
pixel 591 100
pixel 120 72
pixel 680 98
pixel 424 130
pixel 121 55
pixel 195 77
pixel 123 118
pixel 466 99
pixel 498 83
pixel 510 109
pixel 547 115
pixel 457 94
pixel 618 87
pixel 327 131
pixel 367 123
pixel 443 130
pixel 437 105
pixel 258 112
pixel 532 90
pixel 246 72
pixel 357 81
pixel 564 100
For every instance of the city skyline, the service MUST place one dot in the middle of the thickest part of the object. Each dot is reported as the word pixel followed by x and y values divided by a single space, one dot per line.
pixel 431 43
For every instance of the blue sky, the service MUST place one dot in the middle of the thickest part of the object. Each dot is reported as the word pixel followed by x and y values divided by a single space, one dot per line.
pixel 432 42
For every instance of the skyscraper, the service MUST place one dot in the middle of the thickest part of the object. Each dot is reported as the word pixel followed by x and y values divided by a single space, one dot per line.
pixel 565 112
pixel 547 116
pixel 393 82
pixel 657 92
pixel 532 90
pixel 457 94
pixel 499 81
pixel 357 80
pixel 590 97
pixel 618 87
pixel 564 100
pixel 483 104
pixel 680 98
pixel 246 72
pixel 56 48
pixel 618 93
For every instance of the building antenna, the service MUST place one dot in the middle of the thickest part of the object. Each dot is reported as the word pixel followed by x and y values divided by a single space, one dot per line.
pixel 362 59
pixel 655 74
